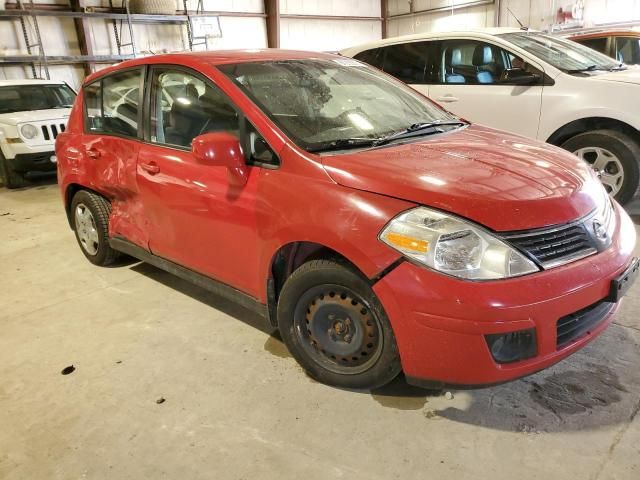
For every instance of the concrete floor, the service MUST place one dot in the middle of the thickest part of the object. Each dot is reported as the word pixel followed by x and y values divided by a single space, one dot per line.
pixel 238 406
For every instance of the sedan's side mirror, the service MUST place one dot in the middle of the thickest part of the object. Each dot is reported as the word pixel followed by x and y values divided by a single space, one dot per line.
pixel 518 76
pixel 221 149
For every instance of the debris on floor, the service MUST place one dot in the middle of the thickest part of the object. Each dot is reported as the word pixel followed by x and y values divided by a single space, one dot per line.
pixel 160 400
pixel 68 370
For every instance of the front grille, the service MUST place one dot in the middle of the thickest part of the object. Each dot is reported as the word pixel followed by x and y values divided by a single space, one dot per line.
pixel 551 247
pixel 50 132
pixel 574 325
pixel 556 245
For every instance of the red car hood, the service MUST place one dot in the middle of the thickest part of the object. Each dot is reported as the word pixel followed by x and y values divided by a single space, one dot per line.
pixel 502 181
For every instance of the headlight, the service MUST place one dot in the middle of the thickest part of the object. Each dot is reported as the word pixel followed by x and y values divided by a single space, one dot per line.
pixel 28 131
pixel 454 246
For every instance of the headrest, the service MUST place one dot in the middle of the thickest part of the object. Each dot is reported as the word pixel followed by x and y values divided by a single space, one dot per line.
pixel 482 55
pixel 456 57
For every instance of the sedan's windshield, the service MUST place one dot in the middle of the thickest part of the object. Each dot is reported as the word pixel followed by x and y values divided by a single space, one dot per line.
pixel 563 54
pixel 24 98
pixel 332 104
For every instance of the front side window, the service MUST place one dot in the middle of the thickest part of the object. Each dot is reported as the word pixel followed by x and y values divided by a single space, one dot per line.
pixel 473 62
pixel 184 106
pixel 628 50
pixel 565 55
pixel 25 98
pixel 112 104
pixel 319 102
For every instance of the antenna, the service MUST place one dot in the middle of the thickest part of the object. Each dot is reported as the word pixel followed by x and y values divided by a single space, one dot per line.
pixel 517 19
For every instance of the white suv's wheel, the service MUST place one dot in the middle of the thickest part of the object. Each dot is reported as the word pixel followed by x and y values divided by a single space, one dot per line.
pixel 614 155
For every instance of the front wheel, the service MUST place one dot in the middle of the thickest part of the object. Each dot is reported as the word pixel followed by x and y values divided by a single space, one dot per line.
pixel 10 178
pixel 335 327
pixel 614 155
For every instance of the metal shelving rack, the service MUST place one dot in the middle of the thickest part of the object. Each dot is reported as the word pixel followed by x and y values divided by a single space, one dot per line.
pixel 122 21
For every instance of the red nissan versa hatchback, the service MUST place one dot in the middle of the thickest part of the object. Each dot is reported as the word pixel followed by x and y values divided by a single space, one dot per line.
pixel 379 232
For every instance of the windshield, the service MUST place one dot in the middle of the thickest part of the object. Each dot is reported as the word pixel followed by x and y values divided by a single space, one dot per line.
pixel 563 54
pixel 24 98
pixel 321 103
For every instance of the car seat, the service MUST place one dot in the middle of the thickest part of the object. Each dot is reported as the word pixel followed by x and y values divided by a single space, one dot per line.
pixel 485 64
pixel 453 60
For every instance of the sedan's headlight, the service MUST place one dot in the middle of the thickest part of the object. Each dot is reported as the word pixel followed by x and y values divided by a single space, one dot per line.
pixel 29 131
pixel 454 246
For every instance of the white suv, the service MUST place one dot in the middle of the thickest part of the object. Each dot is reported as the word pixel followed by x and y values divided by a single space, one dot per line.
pixel 528 83
pixel 32 114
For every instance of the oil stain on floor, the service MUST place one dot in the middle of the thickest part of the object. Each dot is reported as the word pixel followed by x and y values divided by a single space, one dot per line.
pixel 574 391
pixel 275 346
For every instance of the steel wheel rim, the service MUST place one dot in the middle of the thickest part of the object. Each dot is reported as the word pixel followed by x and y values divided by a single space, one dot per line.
pixel 607 165
pixel 86 229
pixel 338 329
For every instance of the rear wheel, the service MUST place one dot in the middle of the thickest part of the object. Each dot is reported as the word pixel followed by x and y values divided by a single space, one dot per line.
pixel 11 178
pixel 614 155
pixel 334 325
pixel 90 213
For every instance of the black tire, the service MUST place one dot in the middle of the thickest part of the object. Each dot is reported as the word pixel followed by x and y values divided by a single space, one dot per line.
pixel 100 209
pixel 10 178
pixel 374 361
pixel 623 147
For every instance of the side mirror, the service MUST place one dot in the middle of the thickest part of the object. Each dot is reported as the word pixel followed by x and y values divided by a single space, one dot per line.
pixel 221 149
pixel 518 76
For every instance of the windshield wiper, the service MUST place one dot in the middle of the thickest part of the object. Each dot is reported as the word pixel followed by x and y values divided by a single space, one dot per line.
pixel 590 68
pixel 419 129
pixel 343 144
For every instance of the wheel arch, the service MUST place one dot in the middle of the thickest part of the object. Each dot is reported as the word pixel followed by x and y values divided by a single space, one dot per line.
pixel 587 124
pixel 70 192
pixel 288 257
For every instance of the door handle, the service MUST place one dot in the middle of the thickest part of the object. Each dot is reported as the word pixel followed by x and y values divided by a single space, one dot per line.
pixel 151 167
pixel 447 99
pixel 93 153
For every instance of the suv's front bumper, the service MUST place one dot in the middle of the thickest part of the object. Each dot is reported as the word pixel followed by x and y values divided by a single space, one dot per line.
pixel 440 322
pixel 33 162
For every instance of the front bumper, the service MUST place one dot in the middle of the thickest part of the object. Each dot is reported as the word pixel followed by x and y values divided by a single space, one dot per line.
pixel 33 162
pixel 440 322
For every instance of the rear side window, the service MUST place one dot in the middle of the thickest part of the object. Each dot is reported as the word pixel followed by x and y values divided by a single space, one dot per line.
pixel 408 62
pixel 373 57
pixel 599 44
pixel 112 104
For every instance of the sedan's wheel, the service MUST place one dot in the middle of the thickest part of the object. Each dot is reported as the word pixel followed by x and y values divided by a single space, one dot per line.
pixel 90 217
pixel 607 165
pixel 334 325
pixel 614 155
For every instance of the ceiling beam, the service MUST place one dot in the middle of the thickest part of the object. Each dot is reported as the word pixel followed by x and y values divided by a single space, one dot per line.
pixel 83 33
pixel 384 13
pixel 272 10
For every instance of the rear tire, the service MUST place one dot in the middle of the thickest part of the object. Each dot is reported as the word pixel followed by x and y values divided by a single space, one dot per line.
pixel 336 328
pixel 615 155
pixel 90 218
pixel 10 178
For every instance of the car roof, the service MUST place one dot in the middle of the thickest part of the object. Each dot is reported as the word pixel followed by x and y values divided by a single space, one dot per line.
pixel 604 34
pixel 215 57
pixel 9 83
pixel 434 35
